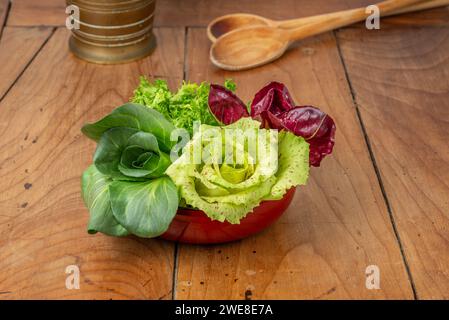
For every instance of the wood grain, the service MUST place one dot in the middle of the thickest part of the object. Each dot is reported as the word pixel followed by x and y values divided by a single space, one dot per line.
pixel 400 81
pixel 42 155
pixel 200 12
pixel 37 13
pixel 4 6
pixel 336 226
pixel 25 43
pixel 431 17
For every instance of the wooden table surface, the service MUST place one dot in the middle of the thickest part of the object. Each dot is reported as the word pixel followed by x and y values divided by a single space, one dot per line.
pixel 381 199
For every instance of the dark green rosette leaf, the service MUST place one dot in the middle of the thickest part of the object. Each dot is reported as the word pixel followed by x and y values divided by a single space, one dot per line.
pixel 142 157
pixel 95 193
pixel 134 116
pixel 128 154
pixel 145 209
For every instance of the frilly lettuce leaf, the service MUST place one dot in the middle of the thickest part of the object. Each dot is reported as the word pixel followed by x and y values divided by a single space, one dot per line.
pixel 188 104
pixel 229 191
pixel 293 167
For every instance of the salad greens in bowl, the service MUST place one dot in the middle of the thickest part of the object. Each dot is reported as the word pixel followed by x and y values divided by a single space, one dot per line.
pixel 198 165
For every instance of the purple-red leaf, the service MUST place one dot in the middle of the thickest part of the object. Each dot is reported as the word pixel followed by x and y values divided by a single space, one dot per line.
pixel 270 101
pixel 225 105
pixel 313 125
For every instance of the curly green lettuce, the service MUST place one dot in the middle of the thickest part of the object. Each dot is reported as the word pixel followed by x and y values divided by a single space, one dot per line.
pixel 182 108
pixel 230 178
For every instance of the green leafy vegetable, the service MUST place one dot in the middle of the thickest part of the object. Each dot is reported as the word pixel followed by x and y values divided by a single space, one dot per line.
pixel 126 190
pixel 135 116
pixel 155 95
pixel 145 209
pixel 230 85
pixel 188 104
pixel 128 154
pixel 227 188
pixel 95 193
pixel 293 161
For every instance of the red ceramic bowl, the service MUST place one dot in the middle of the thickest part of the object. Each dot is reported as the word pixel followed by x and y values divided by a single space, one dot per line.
pixel 193 226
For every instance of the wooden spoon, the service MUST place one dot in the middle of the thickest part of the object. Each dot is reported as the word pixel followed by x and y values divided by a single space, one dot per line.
pixel 230 22
pixel 251 47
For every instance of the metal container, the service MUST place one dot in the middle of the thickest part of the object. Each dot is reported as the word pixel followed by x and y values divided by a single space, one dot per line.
pixel 113 31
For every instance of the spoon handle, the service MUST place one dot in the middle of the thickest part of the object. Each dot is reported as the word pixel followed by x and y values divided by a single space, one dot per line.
pixel 295 23
pixel 343 18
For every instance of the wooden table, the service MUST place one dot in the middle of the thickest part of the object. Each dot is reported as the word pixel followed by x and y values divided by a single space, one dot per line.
pixel 381 199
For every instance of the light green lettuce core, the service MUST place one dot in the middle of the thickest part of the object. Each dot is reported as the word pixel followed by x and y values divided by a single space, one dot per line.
pixel 229 191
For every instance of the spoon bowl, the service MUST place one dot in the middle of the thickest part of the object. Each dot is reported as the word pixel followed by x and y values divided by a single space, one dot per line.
pixel 235 52
pixel 230 22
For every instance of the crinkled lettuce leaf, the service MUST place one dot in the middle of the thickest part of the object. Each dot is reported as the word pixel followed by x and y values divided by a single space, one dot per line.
pixel 228 191
pixel 293 167
pixel 182 108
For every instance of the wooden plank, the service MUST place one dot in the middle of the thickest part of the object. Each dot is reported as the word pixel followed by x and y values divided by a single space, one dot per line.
pixel 37 13
pixel 181 12
pixel 431 17
pixel 200 12
pixel 42 155
pixel 336 226
pixel 400 80
pixel 4 6
pixel 25 43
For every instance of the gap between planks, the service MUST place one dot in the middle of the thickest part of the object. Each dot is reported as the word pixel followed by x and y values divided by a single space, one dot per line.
pixel 376 168
pixel 5 18
pixel 19 75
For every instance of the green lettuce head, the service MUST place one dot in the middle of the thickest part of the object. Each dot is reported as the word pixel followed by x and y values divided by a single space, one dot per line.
pixel 227 171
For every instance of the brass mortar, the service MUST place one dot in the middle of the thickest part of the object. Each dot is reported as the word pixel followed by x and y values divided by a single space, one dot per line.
pixel 113 31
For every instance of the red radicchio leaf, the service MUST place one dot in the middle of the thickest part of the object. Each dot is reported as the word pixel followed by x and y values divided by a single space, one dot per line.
pixel 225 105
pixel 313 125
pixel 269 102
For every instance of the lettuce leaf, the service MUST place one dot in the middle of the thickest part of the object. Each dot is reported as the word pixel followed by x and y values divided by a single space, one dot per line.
pixel 293 167
pixel 157 95
pixel 134 116
pixel 315 126
pixel 145 209
pixel 229 191
pixel 225 105
pixel 95 193
pixel 182 108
